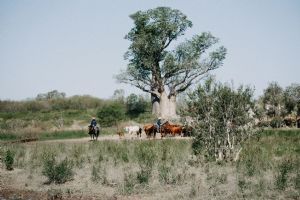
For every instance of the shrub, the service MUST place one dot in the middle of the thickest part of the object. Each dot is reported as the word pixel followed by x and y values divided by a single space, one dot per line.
pixel 165 175
pixel 146 158
pixel 9 160
pixel 276 122
pixel 58 172
pixel 95 175
pixel 99 175
pixel 111 114
pixel 223 120
pixel 129 183
pixel 143 176
pixel 282 177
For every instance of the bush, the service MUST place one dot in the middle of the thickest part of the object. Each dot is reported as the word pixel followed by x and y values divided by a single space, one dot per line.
pixel 110 114
pixel 165 175
pixel 9 160
pixel 276 122
pixel 146 157
pixel 129 183
pixel 282 176
pixel 222 118
pixel 58 172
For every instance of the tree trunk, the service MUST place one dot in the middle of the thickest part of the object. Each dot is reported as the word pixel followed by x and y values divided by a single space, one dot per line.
pixel 155 105
pixel 164 106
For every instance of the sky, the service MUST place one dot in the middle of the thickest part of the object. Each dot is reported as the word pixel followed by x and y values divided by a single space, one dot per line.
pixel 77 46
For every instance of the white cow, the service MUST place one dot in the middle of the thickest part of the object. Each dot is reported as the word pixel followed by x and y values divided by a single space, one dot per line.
pixel 131 129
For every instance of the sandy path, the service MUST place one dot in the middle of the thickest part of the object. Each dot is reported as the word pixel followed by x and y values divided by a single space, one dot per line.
pixel 104 138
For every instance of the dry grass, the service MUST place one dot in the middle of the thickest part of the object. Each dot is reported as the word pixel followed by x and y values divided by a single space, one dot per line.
pixel 158 169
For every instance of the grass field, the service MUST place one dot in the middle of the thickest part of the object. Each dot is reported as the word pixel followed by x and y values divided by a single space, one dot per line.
pixel 268 168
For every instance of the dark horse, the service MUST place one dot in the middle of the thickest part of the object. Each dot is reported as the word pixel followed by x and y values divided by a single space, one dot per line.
pixel 94 133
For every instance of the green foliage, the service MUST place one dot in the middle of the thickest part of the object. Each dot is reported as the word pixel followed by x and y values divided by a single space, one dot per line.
pixel 273 99
pixel 129 183
pixel 57 172
pixel 50 104
pixel 292 98
pixel 111 114
pixel 165 174
pixel 8 136
pixel 143 176
pixel 51 95
pixel 222 117
pixel 9 159
pixel 95 177
pixel 135 105
pixel 152 66
pixel 146 157
pixel 282 177
pixel 276 122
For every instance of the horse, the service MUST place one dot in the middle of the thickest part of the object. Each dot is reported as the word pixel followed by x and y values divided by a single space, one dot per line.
pixel 94 133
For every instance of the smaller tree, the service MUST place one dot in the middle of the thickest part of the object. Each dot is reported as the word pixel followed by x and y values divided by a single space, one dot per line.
pixel 111 113
pixel 135 105
pixel 223 117
pixel 54 94
pixel 273 100
pixel 292 99
pixel 9 160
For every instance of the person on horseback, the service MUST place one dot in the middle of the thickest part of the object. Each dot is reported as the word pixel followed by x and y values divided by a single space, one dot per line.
pixel 94 123
pixel 158 124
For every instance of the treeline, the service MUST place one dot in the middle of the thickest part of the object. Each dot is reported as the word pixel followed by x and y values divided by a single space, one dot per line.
pixel 108 111
pixel 279 106
pixel 35 105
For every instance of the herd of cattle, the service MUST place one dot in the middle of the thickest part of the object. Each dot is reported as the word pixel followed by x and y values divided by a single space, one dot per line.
pixel 151 130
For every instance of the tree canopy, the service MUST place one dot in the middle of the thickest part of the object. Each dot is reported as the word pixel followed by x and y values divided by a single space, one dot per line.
pixel 153 67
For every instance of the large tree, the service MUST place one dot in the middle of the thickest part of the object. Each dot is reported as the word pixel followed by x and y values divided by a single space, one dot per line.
pixel 162 72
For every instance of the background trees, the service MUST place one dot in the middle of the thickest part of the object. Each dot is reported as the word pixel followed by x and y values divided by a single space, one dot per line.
pixel 165 73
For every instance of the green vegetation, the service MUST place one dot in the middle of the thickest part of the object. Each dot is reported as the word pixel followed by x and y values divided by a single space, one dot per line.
pixel 9 160
pixel 153 66
pixel 223 120
pixel 57 172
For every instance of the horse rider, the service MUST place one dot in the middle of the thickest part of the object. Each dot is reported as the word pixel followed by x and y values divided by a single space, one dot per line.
pixel 94 123
pixel 158 124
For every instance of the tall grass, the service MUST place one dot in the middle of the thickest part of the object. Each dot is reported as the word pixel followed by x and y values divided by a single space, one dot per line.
pixel 146 167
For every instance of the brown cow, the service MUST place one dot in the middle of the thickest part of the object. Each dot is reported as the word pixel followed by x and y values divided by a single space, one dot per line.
pixel 121 134
pixel 150 129
pixel 168 128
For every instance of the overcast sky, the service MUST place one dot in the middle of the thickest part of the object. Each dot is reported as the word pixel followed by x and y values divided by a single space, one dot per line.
pixel 77 47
